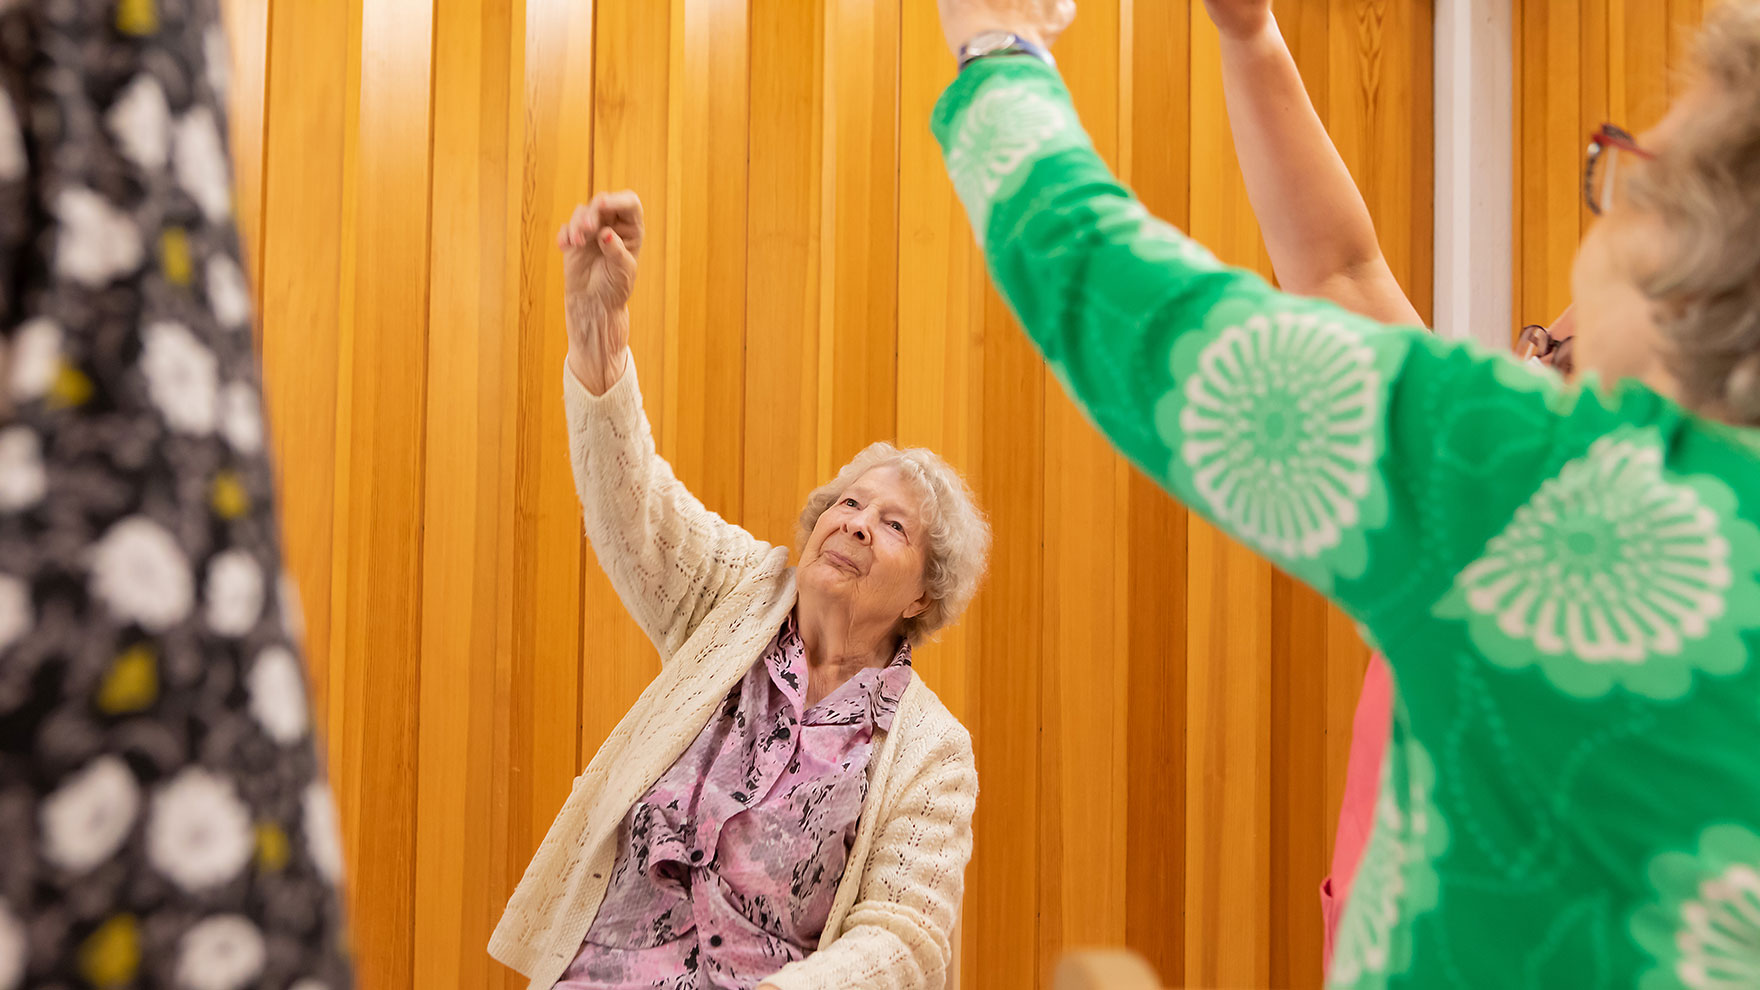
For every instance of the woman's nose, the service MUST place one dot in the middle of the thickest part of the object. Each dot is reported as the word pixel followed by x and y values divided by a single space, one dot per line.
pixel 859 528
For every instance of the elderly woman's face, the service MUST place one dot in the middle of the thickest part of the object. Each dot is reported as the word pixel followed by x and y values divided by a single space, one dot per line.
pixel 869 547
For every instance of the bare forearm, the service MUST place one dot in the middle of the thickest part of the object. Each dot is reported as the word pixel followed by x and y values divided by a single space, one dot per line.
pixel 598 356
pixel 1317 228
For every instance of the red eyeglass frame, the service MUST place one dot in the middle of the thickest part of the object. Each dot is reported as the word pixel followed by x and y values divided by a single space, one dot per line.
pixel 1605 137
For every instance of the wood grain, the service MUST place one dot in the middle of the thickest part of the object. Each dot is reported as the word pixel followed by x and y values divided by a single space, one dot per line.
pixel 1581 63
pixel 1082 805
pixel 1160 721
pixel 379 579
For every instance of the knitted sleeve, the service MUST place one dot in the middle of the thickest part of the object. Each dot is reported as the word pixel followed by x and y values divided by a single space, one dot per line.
pixel 897 934
pixel 670 558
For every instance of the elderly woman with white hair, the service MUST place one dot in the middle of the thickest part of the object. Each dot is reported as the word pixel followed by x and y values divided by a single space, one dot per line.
pixel 787 805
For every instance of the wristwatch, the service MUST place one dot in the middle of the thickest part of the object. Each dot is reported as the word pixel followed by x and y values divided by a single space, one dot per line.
pixel 1001 43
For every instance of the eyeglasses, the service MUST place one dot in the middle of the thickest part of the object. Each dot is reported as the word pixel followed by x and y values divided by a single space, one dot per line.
pixel 1537 343
pixel 1603 165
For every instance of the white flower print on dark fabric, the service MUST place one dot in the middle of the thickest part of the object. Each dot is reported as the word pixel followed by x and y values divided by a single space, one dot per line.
pixel 228 294
pixel 140 573
pixel 221 953
pixel 200 833
pixel 323 841
pixel 278 695
pixel 141 122
pixel 241 418
pixel 234 593
pixel 22 476
pixel 217 60
pixel 182 377
pixel 33 359
pixel 13 947
pixel 13 160
pixel 98 243
pixel 87 818
pixel 158 792
pixel 15 610
pixel 201 164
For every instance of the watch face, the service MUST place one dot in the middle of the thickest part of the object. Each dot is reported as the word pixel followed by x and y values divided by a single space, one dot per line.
pixel 989 41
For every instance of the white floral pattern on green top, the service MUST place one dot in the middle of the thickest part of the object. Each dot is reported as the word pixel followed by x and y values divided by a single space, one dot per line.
pixel 1277 422
pixel 1703 929
pixel 1002 130
pixel 1615 574
pixel 1397 880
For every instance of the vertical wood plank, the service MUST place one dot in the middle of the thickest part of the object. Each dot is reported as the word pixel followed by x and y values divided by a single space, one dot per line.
pixel 940 304
pixel 940 296
pixel 1228 609
pixel 380 581
pixel 1594 98
pixel 1156 41
pixel 706 270
pixel 504 850
pixel 783 281
pixel 633 41
pixel 247 33
pixel 543 710
pixel 1082 772
pixel 472 346
pixel 858 338
pixel 300 283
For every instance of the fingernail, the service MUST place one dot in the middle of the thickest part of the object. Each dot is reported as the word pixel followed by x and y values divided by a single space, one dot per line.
pixel 607 237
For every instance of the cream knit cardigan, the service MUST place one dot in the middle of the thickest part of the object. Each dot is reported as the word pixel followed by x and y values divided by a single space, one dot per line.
pixel 711 596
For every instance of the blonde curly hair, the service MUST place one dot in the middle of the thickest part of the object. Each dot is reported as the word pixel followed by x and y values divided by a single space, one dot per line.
pixel 958 547
pixel 1706 188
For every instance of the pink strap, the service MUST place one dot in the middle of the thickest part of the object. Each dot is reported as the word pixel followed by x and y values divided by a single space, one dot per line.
pixel 1356 816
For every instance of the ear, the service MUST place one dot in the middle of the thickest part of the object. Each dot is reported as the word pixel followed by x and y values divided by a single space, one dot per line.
pixel 919 606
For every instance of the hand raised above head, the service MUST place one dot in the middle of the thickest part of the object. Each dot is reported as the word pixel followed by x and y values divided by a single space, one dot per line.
pixel 1038 21
pixel 600 244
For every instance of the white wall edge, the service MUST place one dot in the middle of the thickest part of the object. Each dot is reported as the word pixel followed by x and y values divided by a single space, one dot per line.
pixel 1475 166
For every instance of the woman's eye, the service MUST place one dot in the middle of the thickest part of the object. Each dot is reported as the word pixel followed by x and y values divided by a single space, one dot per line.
pixel 898 526
pixel 850 502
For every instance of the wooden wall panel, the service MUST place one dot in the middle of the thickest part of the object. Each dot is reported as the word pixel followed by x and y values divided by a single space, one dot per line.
pixel 783 456
pixel 1228 637
pixel 1156 157
pixel 247 31
pixel 1581 63
pixel 471 380
pixel 1082 804
pixel 380 500
pixel 632 40
pixel 1160 721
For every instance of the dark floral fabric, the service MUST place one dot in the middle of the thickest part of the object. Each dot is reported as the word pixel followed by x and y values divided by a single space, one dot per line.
pixel 164 821
pixel 727 866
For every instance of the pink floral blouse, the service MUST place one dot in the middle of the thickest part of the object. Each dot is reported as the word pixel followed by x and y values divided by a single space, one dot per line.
pixel 727 867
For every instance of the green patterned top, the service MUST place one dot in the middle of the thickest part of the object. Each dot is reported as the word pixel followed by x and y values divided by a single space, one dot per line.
pixel 1563 579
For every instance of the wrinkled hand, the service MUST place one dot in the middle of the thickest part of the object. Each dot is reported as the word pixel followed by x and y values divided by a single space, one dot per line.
pixel 1038 21
pixel 600 244
pixel 1239 18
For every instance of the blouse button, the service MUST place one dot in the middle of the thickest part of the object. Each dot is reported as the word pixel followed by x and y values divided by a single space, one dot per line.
pixel 696 855
pixel 714 941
